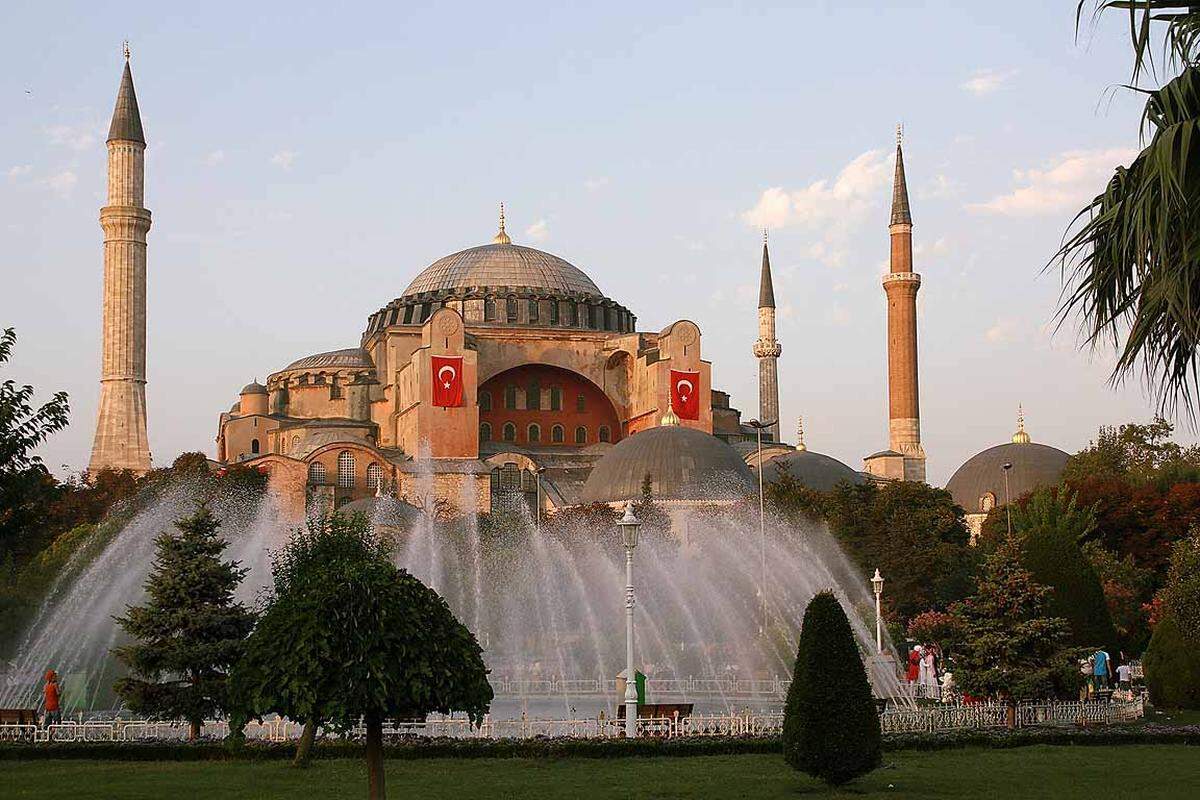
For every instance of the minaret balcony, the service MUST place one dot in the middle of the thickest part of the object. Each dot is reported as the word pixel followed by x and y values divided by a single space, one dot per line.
pixel 767 348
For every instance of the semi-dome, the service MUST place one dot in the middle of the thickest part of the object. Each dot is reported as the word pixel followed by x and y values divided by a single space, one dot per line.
pixel 812 470
pixel 383 511
pixel 978 485
pixel 502 264
pixel 683 464
pixel 350 358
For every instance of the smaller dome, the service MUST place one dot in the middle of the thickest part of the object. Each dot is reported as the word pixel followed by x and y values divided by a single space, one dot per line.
pixel 978 484
pixel 349 358
pixel 254 387
pixel 683 464
pixel 815 471
pixel 383 511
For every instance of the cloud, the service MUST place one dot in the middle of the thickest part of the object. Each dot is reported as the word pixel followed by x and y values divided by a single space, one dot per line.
pixel 592 184
pixel 18 171
pixel 538 231
pixel 941 185
pixel 216 157
pixel 284 158
pixel 1003 331
pixel 986 81
pixel 62 183
pixel 834 207
pixel 75 137
pixel 1062 184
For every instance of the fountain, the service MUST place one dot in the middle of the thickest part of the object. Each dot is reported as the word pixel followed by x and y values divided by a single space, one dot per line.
pixel 546 603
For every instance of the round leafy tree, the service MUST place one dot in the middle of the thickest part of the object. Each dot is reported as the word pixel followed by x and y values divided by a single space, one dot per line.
pixel 1172 665
pixel 189 632
pixel 349 637
pixel 830 725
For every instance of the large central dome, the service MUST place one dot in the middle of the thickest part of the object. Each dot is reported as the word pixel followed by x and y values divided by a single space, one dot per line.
pixel 502 264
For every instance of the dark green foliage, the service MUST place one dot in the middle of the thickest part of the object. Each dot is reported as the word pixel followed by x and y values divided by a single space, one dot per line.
pixel 1172 665
pixel 1127 588
pixel 913 533
pixel 1011 648
pixel 1137 453
pixel 347 636
pixel 1181 594
pixel 830 725
pixel 189 632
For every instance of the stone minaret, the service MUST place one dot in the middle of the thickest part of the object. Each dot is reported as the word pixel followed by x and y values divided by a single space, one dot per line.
pixel 901 285
pixel 767 349
pixel 121 441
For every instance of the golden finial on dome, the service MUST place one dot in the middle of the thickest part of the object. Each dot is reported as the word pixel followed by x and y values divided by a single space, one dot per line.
pixel 800 434
pixel 669 419
pixel 501 237
pixel 1020 437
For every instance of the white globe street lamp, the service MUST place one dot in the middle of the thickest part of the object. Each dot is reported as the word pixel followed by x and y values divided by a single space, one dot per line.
pixel 877 585
pixel 629 525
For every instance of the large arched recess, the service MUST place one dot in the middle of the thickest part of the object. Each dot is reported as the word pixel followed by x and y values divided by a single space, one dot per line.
pixel 595 414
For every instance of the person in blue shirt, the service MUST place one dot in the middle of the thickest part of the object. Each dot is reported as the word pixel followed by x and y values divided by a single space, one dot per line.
pixel 1101 669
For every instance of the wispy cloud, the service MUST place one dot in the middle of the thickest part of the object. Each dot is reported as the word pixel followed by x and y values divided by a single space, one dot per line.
pixel 986 81
pixel 538 231
pixel 941 185
pixel 75 137
pixel 592 184
pixel 62 183
pixel 1064 183
pixel 1004 330
pixel 216 157
pixel 833 206
pixel 18 171
pixel 284 158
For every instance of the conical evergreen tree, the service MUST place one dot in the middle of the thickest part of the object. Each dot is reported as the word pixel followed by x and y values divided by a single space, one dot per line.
pixel 830 725
pixel 189 632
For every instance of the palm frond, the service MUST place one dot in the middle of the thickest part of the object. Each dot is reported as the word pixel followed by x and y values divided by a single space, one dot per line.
pixel 1181 36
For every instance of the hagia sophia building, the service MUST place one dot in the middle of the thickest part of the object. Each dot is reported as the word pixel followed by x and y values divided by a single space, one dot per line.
pixel 503 377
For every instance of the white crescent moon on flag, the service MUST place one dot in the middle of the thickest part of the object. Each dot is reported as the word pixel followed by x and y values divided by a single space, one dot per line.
pixel 683 383
pixel 442 374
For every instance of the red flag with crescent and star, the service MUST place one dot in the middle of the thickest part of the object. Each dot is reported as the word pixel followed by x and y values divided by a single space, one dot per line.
pixel 685 394
pixel 447 381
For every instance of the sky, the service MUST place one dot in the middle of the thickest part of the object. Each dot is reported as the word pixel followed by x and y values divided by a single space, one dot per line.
pixel 305 162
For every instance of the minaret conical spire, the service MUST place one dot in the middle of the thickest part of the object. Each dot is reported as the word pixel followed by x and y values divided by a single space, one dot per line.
pixel 126 123
pixel 766 288
pixel 901 214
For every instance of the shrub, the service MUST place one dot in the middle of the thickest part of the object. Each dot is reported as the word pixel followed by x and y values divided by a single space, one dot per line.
pixel 1172 667
pixel 830 725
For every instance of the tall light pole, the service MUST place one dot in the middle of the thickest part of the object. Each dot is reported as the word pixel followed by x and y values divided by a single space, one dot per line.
pixel 537 511
pixel 759 426
pixel 877 585
pixel 1006 466
pixel 629 525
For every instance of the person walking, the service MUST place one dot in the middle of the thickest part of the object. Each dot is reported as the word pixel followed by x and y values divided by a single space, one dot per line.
pixel 1101 669
pixel 52 698
pixel 1125 678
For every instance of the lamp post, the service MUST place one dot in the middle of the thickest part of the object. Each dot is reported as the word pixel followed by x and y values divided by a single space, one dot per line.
pixel 1006 466
pixel 762 527
pixel 877 585
pixel 537 511
pixel 629 525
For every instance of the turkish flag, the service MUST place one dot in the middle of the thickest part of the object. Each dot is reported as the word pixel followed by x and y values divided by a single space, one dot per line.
pixel 447 381
pixel 685 394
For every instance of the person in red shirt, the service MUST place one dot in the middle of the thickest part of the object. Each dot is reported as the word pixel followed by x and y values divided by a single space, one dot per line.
pixel 52 695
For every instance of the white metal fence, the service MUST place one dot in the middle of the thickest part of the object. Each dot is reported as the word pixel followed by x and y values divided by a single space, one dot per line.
pixel 949 717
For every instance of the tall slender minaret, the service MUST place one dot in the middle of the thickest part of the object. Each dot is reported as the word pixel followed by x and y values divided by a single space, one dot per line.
pixel 901 285
pixel 767 349
pixel 121 441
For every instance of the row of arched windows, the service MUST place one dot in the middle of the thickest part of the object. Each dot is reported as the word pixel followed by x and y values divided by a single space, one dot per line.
pixel 533 434
pixel 534 397
pixel 345 472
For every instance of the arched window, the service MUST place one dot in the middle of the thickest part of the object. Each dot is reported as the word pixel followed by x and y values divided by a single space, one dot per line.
pixel 345 469
pixel 511 309
pixel 510 397
pixel 556 398
pixel 987 502
pixel 580 404
pixel 534 312
pixel 254 445
pixel 485 401
pixel 605 434
pixel 533 396
pixel 489 309
pixel 485 431
pixel 581 435
pixel 510 432
pixel 374 475
pixel 295 442
pixel 571 314
pixel 557 434
pixel 553 312
pixel 534 433
pixel 316 472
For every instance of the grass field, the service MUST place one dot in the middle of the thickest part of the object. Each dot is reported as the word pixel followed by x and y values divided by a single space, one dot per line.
pixel 1150 771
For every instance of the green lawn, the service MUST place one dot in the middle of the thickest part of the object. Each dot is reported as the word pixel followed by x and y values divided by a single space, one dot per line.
pixel 1147 771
